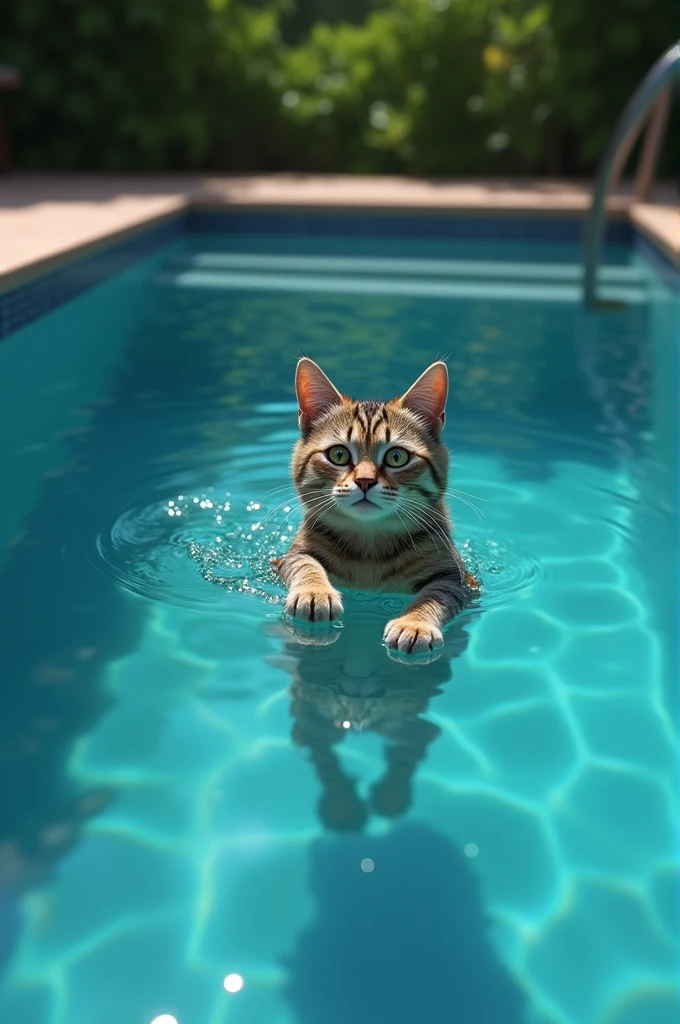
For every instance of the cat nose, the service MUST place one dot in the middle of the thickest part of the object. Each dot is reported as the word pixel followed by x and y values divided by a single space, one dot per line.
pixel 365 482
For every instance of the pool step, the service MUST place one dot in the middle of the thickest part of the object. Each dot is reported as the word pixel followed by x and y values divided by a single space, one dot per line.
pixel 471 279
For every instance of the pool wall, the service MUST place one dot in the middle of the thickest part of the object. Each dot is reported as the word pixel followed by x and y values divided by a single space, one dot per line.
pixel 25 302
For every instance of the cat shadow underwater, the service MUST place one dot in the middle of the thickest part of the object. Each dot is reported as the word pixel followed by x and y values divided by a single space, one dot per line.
pixel 408 943
pixel 343 680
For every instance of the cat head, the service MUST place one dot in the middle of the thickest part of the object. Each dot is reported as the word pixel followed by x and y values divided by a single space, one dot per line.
pixel 370 462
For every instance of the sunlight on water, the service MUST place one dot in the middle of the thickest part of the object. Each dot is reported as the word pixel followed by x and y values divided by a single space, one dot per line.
pixel 209 818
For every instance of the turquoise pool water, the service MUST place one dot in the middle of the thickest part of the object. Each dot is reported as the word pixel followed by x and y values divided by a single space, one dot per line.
pixel 189 793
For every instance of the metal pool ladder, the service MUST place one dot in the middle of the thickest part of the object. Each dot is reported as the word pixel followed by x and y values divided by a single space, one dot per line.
pixel 655 90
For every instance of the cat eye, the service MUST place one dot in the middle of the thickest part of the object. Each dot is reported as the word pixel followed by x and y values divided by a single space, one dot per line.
pixel 397 457
pixel 338 455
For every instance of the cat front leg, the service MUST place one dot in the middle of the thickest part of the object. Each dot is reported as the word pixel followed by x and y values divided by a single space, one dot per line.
pixel 311 596
pixel 418 630
pixel 410 739
pixel 340 807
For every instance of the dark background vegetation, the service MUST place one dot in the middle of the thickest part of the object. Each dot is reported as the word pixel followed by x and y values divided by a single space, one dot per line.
pixel 429 87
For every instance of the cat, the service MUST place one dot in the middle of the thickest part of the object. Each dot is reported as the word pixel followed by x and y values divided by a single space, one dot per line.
pixel 372 479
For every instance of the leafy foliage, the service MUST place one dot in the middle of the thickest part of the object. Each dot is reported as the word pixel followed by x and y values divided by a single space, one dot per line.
pixel 140 84
pixel 606 48
pixel 420 86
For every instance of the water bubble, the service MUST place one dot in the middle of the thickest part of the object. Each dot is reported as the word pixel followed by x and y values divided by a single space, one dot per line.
pixel 165 1018
pixel 367 865
pixel 471 850
pixel 233 983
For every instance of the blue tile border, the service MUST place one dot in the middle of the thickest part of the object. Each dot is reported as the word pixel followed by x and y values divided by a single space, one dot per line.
pixel 32 299
pixel 424 224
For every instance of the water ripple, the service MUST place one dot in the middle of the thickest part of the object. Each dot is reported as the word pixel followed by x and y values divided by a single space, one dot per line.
pixel 186 543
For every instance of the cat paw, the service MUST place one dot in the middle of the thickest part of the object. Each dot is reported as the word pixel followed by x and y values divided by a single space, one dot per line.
pixel 409 635
pixel 391 796
pixel 341 809
pixel 319 605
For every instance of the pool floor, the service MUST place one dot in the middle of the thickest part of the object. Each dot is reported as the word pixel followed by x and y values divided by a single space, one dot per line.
pixel 193 793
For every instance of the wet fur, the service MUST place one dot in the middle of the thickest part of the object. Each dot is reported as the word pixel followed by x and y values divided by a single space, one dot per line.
pixel 408 550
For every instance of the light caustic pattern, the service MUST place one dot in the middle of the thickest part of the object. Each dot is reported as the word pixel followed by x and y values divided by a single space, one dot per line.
pixel 553 775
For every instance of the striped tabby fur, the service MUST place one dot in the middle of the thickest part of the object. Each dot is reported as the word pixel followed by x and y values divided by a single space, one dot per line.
pixel 372 478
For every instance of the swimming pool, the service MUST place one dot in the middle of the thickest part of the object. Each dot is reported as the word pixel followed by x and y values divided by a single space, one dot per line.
pixel 189 794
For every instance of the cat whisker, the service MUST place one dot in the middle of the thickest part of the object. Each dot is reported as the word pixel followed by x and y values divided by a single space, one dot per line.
pixel 430 517
pixel 319 511
pixel 408 532
pixel 457 497
pixel 312 504
pixel 433 514
pixel 422 524
pixel 457 490
pixel 275 490
pixel 301 506
pixel 295 503
pixel 286 501
pixel 455 494
pixel 289 501
pixel 470 504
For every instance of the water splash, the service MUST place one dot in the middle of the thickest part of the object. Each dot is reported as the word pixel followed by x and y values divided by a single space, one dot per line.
pixel 165 540
pixel 239 556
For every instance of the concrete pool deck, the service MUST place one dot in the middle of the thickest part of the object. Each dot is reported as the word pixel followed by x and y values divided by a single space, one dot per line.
pixel 48 219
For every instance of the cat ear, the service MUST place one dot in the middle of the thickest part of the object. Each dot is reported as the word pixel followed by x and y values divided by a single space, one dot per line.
pixel 315 393
pixel 427 397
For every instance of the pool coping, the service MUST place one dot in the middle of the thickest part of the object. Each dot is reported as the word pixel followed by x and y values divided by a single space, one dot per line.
pixel 49 220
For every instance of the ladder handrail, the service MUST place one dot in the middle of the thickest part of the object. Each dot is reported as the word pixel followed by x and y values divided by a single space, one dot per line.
pixel 659 78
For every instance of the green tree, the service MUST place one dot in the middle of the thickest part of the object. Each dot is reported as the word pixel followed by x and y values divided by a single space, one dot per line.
pixel 605 50
pixel 142 84
pixel 438 87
